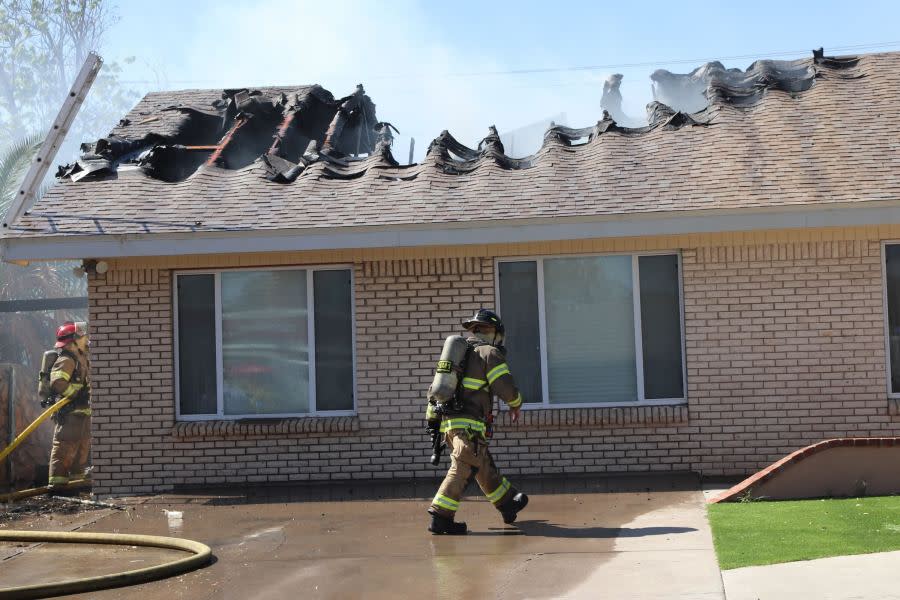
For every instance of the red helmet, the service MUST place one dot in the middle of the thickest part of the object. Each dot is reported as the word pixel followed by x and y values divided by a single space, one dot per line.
pixel 69 331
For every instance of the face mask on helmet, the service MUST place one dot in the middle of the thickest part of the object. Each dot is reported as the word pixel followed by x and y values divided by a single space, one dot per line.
pixel 82 343
pixel 489 337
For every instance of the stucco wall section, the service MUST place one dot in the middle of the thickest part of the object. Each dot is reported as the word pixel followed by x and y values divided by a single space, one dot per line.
pixel 785 347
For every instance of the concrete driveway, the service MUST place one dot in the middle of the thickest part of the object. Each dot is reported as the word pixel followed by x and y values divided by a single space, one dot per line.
pixel 584 538
pixel 858 577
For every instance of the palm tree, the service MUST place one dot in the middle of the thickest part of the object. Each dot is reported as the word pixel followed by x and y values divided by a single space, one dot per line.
pixel 14 162
pixel 26 334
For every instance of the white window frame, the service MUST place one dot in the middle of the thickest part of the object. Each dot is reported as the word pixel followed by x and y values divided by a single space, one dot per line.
pixel 886 317
pixel 311 324
pixel 638 339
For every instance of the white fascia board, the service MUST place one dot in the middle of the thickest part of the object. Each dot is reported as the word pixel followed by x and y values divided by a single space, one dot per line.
pixel 468 233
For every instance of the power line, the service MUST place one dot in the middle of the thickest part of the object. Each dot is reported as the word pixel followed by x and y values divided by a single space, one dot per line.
pixel 657 63
pixel 582 68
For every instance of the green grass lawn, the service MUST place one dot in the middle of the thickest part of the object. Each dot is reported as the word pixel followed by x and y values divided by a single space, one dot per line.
pixel 764 533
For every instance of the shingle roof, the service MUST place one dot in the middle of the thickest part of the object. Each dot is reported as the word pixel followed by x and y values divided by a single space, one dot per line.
pixel 810 132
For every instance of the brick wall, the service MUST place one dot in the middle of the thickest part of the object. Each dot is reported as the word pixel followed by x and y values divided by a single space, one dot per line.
pixel 130 316
pixel 784 347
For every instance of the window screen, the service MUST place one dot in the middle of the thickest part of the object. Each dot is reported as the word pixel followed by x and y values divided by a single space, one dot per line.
pixel 661 327
pixel 334 340
pixel 197 344
pixel 519 311
pixel 892 272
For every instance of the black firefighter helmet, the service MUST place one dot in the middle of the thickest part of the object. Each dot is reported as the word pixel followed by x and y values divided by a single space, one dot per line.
pixel 485 317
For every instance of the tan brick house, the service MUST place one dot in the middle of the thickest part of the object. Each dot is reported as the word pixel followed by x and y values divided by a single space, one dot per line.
pixel 706 293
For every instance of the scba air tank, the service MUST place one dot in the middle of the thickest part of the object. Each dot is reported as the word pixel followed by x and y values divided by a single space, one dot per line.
pixel 47 362
pixel 449 369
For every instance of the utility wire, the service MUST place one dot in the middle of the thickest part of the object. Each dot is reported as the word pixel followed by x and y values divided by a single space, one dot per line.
pixel 605 67
pixel 654 63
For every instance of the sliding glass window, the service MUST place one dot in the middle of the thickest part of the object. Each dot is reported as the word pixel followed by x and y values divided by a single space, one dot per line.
pixel 594 330
pixel 264 343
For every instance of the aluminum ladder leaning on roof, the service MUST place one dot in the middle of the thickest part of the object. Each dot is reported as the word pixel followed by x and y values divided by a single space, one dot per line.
pixel 58 130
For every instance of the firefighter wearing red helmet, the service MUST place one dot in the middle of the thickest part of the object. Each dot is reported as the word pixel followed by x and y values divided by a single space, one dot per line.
pixel 70 377
pixel 465 423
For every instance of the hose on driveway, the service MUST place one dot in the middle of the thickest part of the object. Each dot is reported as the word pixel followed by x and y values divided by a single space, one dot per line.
pixel 200 556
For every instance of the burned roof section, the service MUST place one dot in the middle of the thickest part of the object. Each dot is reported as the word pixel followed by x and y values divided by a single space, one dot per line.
pixel 712 84
pixel 170 135
pixel 808 132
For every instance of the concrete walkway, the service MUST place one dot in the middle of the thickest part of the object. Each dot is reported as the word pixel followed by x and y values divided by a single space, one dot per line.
pixel 863 576
pixel 626 539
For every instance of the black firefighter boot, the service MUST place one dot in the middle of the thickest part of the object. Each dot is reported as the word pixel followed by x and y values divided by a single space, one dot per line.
pixel 445 525
pixel 510 509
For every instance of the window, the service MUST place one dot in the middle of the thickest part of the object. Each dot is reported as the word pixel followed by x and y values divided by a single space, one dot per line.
pixel 892 283
pixel 264 343
pixel 594 330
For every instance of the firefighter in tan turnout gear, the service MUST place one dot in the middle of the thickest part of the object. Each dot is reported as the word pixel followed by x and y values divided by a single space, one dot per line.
pixel 70 378
pixel 460 402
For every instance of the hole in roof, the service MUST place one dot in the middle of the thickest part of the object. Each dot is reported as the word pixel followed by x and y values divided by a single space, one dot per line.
pixel 236 130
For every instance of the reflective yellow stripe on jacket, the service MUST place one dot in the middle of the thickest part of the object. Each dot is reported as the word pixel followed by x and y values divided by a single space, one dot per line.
pixel 517 402
pixel 73 389
pixel 497 372
pixel 59 375
pixel 463 423
pixel 470 383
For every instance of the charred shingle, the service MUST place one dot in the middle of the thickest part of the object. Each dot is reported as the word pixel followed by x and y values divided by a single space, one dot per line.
pixel 713 84
pixel 818 131
pixel 171 134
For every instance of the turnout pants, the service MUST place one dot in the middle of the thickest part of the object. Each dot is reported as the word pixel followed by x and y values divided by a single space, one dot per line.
pixel 71 446
pixel 469 459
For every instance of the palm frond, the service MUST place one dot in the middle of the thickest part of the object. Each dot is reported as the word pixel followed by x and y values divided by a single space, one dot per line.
pixel 14 162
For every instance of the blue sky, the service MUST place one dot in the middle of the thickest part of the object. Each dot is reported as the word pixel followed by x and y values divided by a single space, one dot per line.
pixel 424 63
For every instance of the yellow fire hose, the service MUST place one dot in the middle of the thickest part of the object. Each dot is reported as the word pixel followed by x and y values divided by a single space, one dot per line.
pixel 201 552
pixel 201 556
pixel 34 425
pixel 22 494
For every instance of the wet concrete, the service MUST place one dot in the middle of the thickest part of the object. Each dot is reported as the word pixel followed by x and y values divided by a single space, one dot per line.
pixel 62 562
pixel 617 538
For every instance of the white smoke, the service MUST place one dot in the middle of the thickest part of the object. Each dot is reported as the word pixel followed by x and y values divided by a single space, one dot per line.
pixel 415 80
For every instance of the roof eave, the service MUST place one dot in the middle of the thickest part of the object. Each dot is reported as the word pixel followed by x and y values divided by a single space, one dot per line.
pixel 454 234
